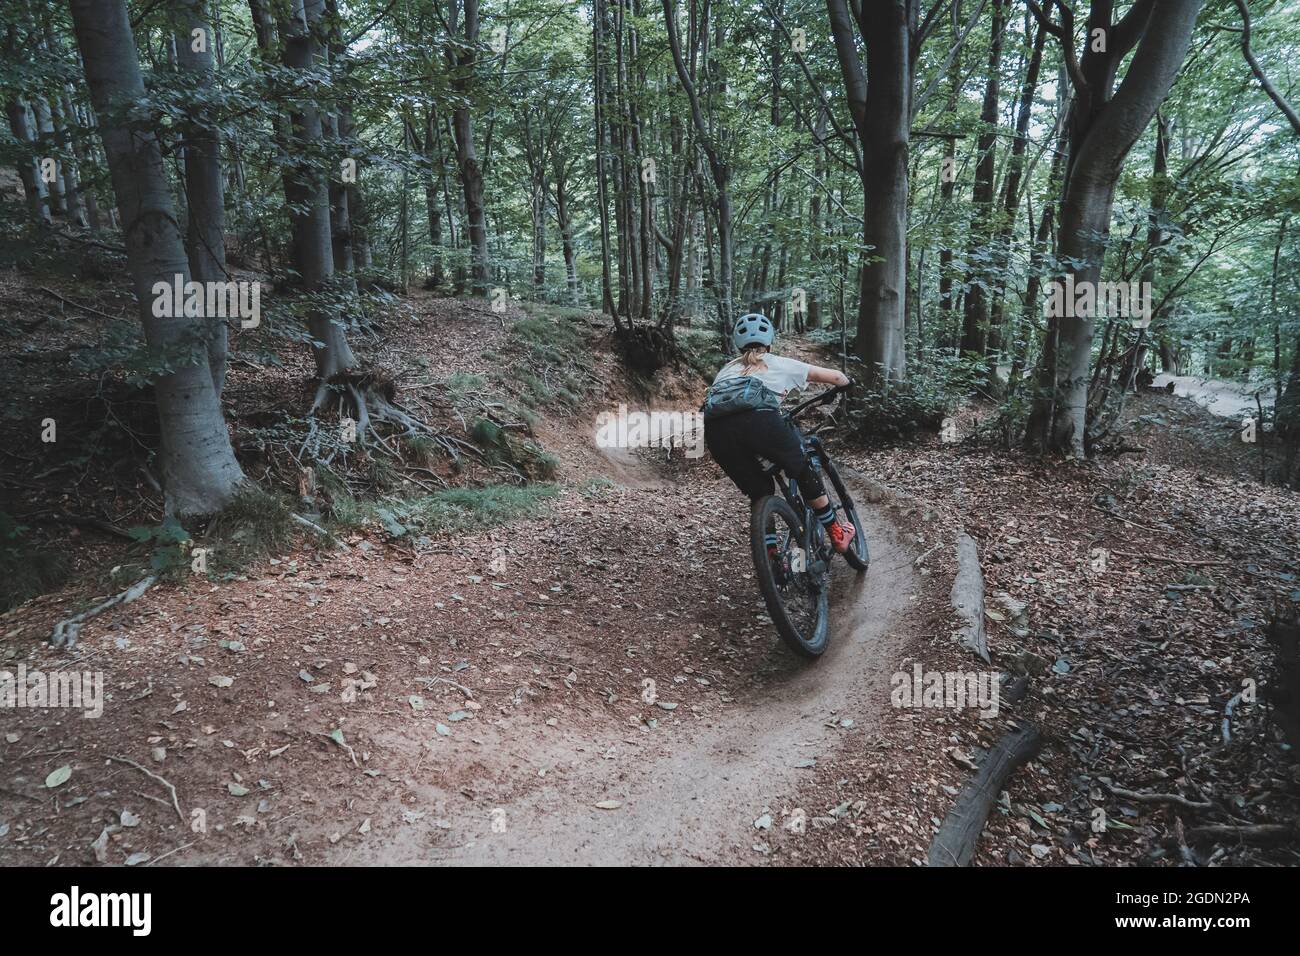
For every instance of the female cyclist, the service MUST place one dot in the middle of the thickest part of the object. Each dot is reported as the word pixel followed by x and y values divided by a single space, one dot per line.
pixel 743 422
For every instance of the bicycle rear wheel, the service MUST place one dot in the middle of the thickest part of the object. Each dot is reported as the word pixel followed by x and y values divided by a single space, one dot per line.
pixel 789 577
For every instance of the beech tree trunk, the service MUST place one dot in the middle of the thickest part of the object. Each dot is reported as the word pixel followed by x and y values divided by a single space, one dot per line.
pixel 721 172
pixel 45 141
pixel 1011 194
pixel 432 160
pixel 85 166
pixel 1103 128
pixel 601 118
pixel 199 470
pixel 559 176
pixel 975 316
pixel 75 208
pixel 880 102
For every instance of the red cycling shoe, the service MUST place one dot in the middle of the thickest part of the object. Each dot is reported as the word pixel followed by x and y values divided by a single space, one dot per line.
pixel 841 536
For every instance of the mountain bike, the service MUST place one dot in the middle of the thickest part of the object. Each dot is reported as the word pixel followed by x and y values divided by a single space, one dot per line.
pixel 794 573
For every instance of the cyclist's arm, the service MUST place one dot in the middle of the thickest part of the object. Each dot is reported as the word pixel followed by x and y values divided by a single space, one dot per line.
pixel 827 376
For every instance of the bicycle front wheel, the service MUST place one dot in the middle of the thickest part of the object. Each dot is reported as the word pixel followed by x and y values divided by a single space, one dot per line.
pixel 858 556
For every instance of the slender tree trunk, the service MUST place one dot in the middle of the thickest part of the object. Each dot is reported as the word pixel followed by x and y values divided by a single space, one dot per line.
pixel 204 190
pixel 1038 250
pixel 76 210
pixel 85 166
pixel 816 231
pixel 199 469
pixel 337 128
pixel 29 170
pixel 720 169
pixel 948 186
pixel 601 117
pixel 975 318
pixel 1155 240
pixel 471 174
pixel 358 221
pixel 1011 194
pixel 431 160
pixel 45 141
pixel 565 223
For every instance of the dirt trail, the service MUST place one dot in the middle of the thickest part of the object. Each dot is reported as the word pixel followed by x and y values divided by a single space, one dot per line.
pixel 1219 397
pixel 692 794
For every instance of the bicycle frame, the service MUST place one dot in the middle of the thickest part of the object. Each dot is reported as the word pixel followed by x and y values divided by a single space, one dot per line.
pixel 814 544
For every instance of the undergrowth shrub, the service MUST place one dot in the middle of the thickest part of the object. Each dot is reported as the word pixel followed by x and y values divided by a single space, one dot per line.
pixel 457 510
pixel 904 409
pixel 26 569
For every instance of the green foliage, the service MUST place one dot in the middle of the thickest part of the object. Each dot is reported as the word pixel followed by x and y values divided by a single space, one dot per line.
pixel 256 525
pixel 556 349
pixel 462 384
pixel 900 412
pixel 168 545
pixel 523 454
pixel 459 510
pixel 702 349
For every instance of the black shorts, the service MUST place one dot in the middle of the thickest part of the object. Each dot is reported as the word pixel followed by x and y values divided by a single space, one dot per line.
pixel 737 441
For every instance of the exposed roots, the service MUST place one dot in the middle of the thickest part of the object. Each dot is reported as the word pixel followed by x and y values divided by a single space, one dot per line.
pixel 66 631
pixel 367 400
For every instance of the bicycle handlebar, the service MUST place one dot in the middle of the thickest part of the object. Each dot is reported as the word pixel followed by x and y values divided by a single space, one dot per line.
pixel 819 399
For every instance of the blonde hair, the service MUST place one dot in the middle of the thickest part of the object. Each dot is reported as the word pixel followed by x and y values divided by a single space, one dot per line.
pixel 752 356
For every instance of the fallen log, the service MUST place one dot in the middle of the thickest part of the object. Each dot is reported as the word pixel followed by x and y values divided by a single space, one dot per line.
pixel 967 597
pixel 954 844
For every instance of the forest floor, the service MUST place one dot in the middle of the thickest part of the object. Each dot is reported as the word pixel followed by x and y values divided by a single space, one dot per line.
pixel 594 680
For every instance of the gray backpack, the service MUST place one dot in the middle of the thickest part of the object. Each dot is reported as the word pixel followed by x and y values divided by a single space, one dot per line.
pixel 739 393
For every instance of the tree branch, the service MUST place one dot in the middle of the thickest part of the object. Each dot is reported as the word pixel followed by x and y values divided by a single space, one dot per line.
pixel 1064 32
pixel 1278 99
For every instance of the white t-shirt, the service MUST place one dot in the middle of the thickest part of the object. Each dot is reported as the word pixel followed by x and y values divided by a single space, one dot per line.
pixel 781 375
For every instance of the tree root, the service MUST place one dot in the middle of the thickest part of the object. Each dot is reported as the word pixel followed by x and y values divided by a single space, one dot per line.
pixel 368 399
pixel 65 632
pixel 176 804
pixel 337 542
pixel 1177 799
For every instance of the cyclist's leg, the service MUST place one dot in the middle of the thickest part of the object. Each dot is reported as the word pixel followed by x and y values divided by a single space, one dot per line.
pixel 774 438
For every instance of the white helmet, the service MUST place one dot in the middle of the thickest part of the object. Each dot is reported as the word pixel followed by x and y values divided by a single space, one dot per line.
pixel 753 328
